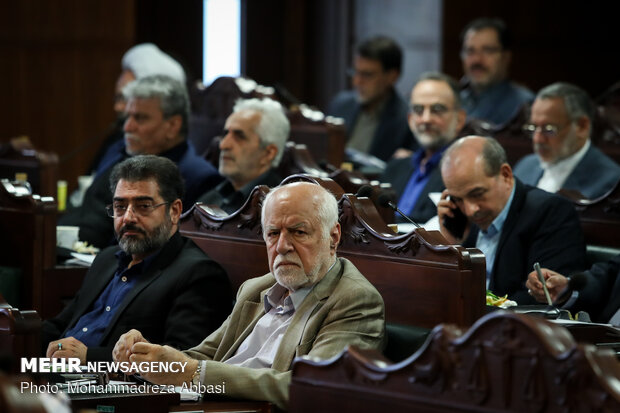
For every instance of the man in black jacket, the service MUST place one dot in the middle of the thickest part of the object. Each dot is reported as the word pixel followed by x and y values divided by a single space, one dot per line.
pixel 513 224
pixel 155 279
pixel 375 115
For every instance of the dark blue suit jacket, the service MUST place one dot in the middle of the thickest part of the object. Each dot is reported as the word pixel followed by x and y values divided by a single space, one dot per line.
pixel 393 130
pixel 594 176
pixel 540 227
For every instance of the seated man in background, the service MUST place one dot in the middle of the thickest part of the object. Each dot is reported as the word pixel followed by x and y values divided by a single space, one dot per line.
pixel 311 303
pixel 599 296
pixel 513 224
pixel 560 126
pixel 435 118
pixel 254 138
pixel 374 113
pixel 140 61
pixel 157 110
pixel 487 93
pixel 155 279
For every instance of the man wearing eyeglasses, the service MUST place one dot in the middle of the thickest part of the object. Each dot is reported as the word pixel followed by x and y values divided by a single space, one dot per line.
pixel 155 279
pixel 564 157
pixel 157 112
pixel 435 118
pixel 487 93
pixel 374 113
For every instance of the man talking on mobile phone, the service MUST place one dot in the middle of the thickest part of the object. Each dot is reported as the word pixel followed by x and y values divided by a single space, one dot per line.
pixel 513 224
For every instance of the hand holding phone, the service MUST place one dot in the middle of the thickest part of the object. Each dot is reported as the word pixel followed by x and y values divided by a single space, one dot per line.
pixel 455 225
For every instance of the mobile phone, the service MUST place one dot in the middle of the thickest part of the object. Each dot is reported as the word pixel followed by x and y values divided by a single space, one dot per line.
pixel 457 224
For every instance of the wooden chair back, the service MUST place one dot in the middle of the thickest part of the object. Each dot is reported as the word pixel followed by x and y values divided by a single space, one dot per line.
pixel 505 363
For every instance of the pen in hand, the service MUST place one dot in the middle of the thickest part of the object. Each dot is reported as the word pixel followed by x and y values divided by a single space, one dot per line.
pixel 542 281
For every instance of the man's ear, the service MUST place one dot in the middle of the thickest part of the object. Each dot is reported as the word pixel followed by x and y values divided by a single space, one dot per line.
pixel 271 151
pixel 505 171
pixel 583 128
pixel 393 76
pixel 334 237
pixel 176 209
pixel 174 126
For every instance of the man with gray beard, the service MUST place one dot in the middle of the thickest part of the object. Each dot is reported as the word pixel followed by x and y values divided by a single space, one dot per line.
pixel 435 118
pixel 312 303
pixel 155 279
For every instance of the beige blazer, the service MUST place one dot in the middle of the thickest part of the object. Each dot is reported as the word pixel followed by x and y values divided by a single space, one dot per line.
pixel 345 309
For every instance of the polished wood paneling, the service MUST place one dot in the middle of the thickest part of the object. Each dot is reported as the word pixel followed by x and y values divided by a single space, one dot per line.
pixel 59 61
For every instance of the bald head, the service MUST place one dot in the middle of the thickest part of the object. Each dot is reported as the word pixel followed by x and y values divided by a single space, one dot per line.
pixel 301 230
pixel 478 178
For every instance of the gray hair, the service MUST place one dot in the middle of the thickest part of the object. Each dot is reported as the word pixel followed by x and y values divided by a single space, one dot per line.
pixel 273 127
pixel 576 100
pixel 326 206
pixel 493 154
pixel 442 77
pixel 172 95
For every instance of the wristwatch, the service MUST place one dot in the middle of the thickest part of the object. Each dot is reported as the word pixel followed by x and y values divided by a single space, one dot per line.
pixel 196 376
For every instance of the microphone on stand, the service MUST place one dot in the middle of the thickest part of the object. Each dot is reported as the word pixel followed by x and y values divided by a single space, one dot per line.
pixel 385 201
pixel 364 191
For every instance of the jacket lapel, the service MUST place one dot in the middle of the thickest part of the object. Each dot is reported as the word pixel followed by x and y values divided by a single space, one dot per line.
pixel 312 302
pixel 511 220
pixel 167 254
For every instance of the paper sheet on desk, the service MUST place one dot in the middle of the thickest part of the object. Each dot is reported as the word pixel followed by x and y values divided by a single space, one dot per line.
pixel 430 225
pixel 187 395
pixel 81 259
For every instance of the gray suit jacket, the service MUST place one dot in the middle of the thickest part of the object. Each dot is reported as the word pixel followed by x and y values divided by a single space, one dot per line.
pixel 344 309
pixel 593 176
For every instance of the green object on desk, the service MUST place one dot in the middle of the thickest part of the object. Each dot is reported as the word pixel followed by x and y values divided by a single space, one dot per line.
pixel 105 409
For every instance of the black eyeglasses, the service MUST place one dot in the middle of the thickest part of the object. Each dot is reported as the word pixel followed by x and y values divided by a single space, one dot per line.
pixel 436 109
pixel 486 51
pixel 548 130
pixel 141 208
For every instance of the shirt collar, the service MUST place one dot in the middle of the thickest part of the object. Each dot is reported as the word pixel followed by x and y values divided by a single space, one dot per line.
pixel 498 223
pixel 274 295
pixel 226 189
pixel 417 157
pixel 124 259
pixel 567 164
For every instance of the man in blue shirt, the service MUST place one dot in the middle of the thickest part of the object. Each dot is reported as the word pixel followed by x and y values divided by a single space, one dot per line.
pixel 487 93
pixel 435 118
pixel 513 224
pixel 155 279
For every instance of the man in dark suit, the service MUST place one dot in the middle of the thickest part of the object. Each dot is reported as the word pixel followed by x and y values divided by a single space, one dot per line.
pixel 250 149
pixel 513 224
pixel 600 296
pixel 157 111
pixel 374 113
pixel 560 126
pixel 435 118
pixel 155 279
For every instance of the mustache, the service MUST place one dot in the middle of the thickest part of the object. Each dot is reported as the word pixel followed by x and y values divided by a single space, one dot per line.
pixel 131 227
pixel 478 66
pixel 289 258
